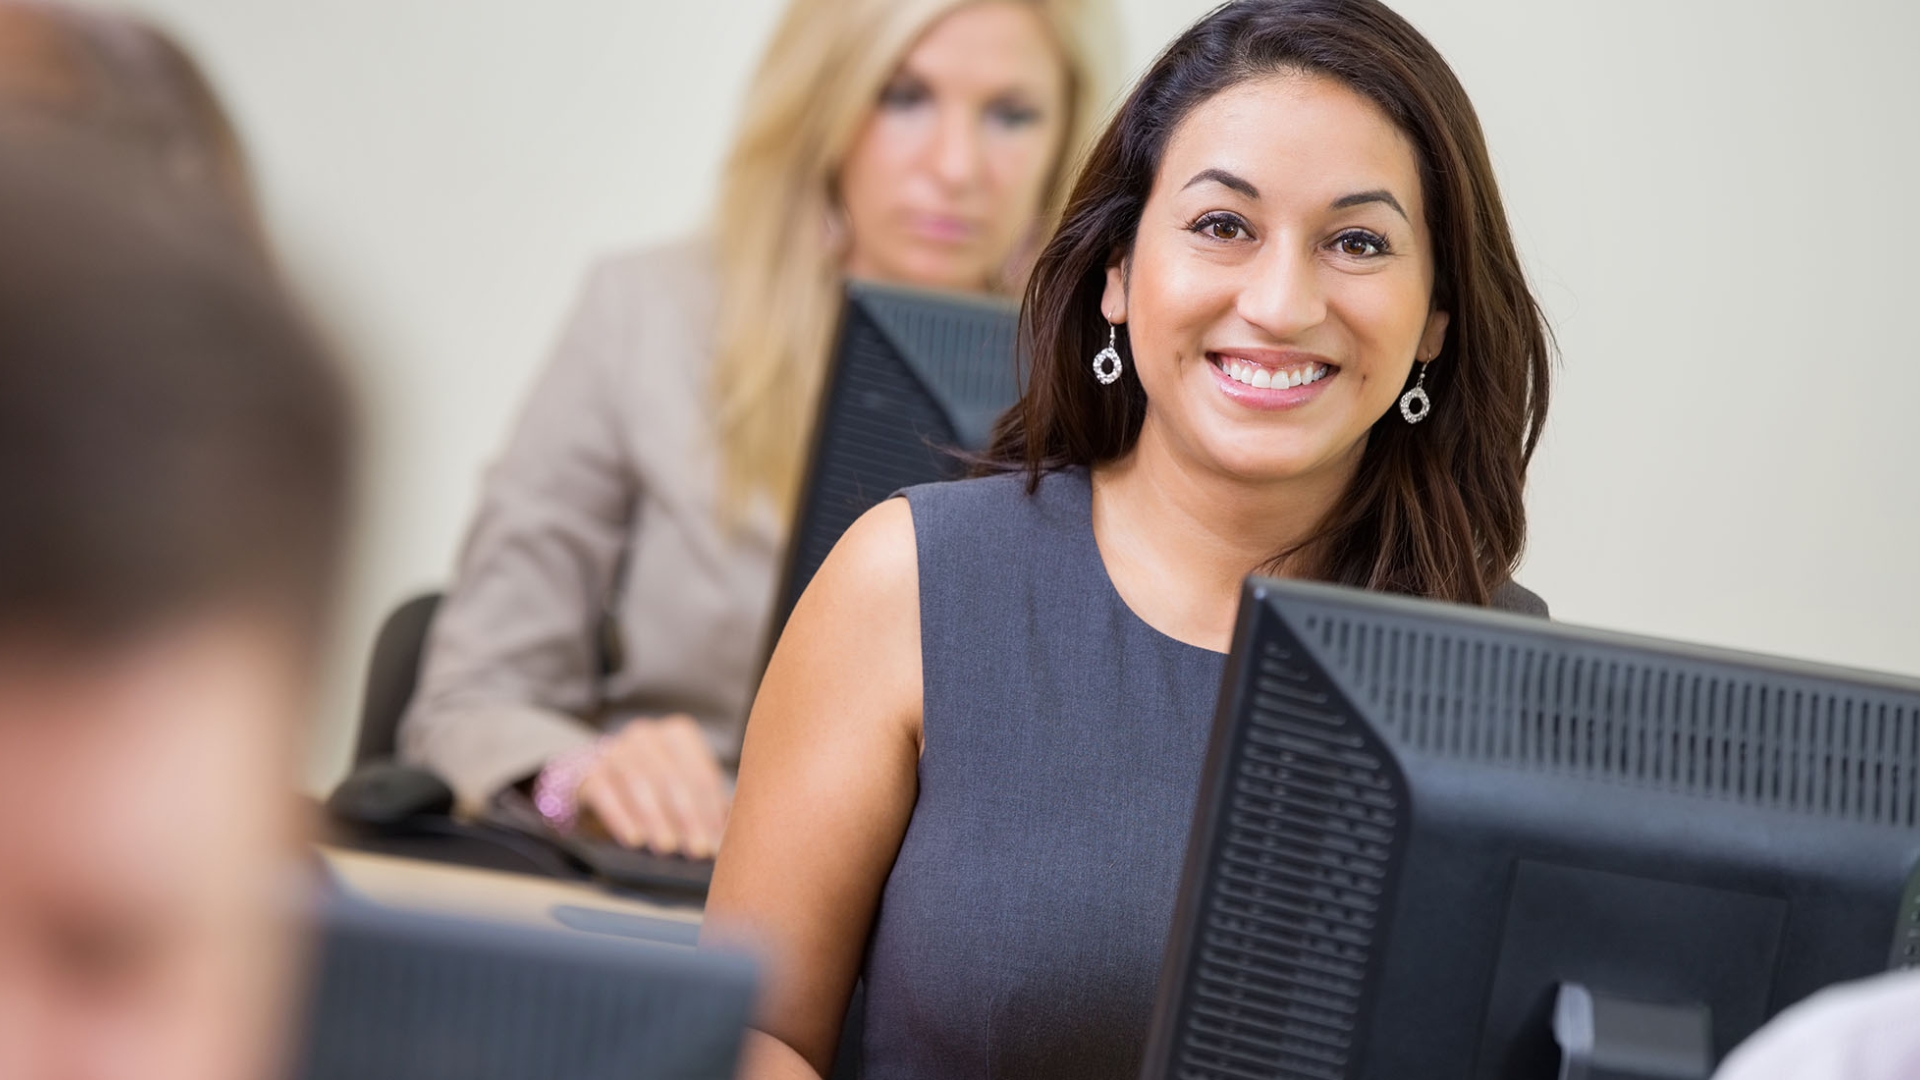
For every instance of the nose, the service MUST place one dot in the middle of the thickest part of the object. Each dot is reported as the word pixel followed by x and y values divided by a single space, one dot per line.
pixel 1283 294
pixel 957 152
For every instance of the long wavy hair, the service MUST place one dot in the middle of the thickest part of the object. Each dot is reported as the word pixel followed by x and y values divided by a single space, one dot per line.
pixel 1434 510
pixel 779 266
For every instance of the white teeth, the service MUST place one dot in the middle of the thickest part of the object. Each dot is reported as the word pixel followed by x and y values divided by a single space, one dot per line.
pixel 1262 379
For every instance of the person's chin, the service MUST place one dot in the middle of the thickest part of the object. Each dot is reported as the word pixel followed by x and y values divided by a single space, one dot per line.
pixel 942 266
pixel 1266 457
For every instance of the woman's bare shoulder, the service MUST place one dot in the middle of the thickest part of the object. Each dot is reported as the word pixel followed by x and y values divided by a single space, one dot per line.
pixel 874 561
pixel 856 629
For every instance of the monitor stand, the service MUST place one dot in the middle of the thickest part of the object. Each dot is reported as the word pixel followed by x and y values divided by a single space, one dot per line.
pixel 1610 1038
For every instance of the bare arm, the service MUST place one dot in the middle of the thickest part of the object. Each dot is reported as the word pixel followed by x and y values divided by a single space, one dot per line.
pixel 828 778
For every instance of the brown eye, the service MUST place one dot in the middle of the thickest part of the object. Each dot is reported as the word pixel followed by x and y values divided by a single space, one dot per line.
pixel 1360 245
pixel 1220 226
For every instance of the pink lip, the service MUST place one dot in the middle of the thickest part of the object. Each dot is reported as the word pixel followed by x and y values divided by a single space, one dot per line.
pixel 1270 399
pixel 942 228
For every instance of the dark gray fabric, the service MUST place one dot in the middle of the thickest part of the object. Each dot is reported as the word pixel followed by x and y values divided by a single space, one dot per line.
pixel 1020 932
pixel 1021 929
pixel 1518 599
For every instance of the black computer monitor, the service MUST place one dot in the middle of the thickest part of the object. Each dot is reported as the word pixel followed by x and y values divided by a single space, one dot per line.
pixel 412 996
pixel 1440 842
pixel 915 375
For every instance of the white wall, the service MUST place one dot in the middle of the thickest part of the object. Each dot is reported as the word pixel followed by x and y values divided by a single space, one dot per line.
pixel 1716 200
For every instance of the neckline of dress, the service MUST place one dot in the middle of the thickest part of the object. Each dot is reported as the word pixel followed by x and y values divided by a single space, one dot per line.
pixel 1087 541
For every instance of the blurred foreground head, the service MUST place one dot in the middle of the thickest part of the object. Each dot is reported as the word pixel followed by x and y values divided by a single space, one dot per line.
pixel 72 69
pixel 174 475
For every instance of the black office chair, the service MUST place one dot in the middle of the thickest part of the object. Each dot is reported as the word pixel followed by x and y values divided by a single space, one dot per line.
pixel 393 673
pixel 386 806
pixel 405 810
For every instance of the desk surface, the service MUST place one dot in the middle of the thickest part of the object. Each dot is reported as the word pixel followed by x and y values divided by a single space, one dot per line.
pixel 488 894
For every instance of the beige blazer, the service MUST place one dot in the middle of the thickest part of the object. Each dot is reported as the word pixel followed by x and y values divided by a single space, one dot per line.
pixel 606 499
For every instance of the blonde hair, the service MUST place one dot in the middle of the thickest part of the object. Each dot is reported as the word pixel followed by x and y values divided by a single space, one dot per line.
pixel 780 271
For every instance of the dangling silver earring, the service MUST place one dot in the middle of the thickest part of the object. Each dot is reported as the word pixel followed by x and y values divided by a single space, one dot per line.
pixel 1106 362
pixel 1415 404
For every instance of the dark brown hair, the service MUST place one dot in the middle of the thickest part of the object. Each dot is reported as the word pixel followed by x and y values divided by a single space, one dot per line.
pixel 1434 510
pixel 115 77
pixel 174 439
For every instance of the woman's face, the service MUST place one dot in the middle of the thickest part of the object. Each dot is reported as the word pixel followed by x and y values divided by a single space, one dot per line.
pixel 1279 287
pixel 946 176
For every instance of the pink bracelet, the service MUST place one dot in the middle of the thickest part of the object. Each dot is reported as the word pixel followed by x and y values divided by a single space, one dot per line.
pixel 556 791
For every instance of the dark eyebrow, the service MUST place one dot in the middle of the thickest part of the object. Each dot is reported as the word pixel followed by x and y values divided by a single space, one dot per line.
pixel 1225 179
pixel 1379 196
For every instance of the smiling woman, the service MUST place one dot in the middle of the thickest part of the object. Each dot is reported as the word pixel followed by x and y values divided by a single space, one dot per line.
pixel 973 760
pixel 1313 202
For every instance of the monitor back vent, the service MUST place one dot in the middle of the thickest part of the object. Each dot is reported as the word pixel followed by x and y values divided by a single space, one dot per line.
pixel 390 1003
pixel 1307 834
pixel 1698 727
pixel 884 432
pixel 962 350
pixel 916 379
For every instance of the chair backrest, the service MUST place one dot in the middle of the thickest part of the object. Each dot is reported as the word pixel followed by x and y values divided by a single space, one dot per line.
pixel 392 674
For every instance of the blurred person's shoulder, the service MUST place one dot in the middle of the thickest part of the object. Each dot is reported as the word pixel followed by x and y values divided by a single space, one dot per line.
pixel 1857 1031
pixel 677 277
pixel 653 309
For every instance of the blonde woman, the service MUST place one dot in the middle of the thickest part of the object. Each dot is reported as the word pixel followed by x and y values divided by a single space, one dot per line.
pixel 654 469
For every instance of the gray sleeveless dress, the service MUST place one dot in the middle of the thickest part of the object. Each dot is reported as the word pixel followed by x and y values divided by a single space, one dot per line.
pixel 1020 932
